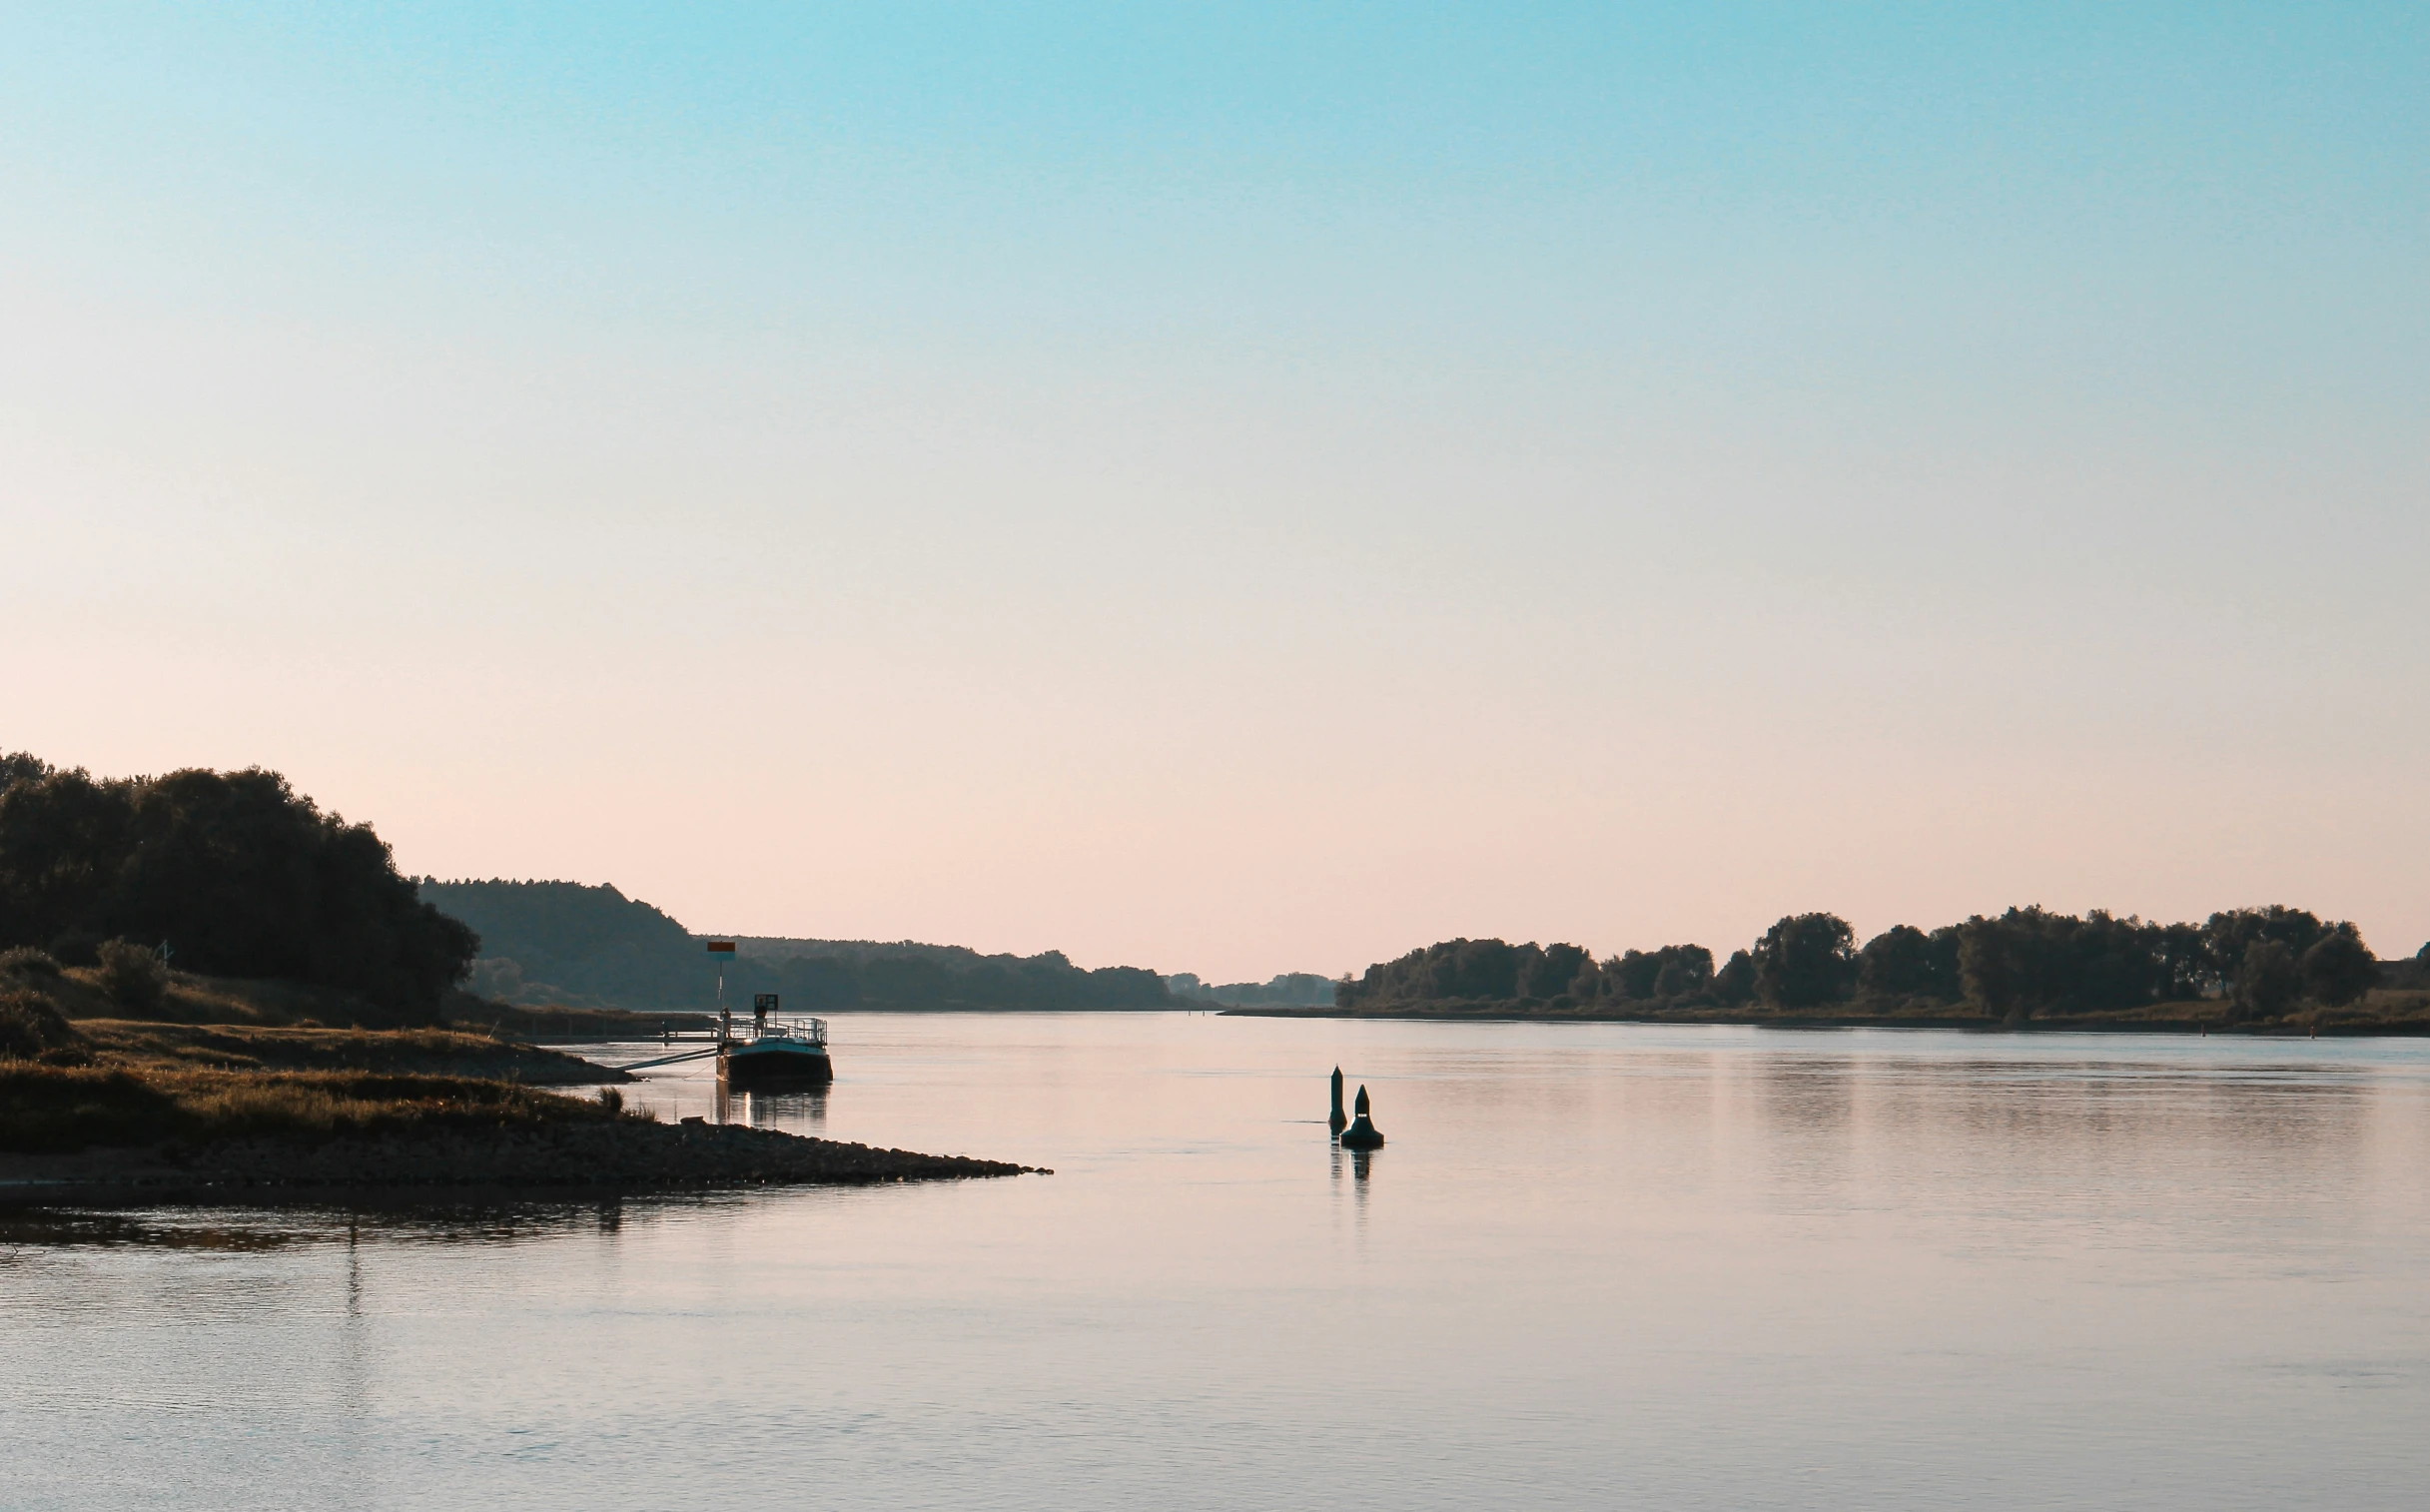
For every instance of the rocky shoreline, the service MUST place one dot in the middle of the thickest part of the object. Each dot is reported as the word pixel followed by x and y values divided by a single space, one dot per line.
pixel 625 1156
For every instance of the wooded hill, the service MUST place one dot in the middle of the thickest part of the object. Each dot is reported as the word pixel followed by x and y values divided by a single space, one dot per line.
pixel 550 943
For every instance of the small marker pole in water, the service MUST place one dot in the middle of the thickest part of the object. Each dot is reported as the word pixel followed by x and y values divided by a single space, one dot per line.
pixel 1339 1119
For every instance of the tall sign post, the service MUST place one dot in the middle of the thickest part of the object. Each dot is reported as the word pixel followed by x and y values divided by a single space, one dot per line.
pixel 721 951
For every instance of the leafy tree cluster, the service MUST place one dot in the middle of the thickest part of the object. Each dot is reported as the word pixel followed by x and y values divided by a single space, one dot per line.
pixel 566 943
pixel 1475 970
pixel 2026 962
pixel 233 871
pixel 1675 971
pixel 919 978
pixel 1284 990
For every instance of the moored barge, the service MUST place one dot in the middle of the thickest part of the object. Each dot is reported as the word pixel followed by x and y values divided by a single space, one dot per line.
pixel 779 1055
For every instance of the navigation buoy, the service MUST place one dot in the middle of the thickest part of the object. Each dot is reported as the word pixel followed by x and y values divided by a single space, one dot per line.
pixel 1340 1120
pixel 1361 1134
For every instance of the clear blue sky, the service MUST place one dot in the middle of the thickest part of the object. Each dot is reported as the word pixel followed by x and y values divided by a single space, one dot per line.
pixel 1246 488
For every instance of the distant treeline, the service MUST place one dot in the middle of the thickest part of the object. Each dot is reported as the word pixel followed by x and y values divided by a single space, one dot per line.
pixel 233 872
pixel 1289 990
pixel 2025 963
pixel 552 943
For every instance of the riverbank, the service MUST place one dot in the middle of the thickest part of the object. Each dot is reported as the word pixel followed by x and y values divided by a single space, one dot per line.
pixel 117 1112
pixel 410 1051
pixel 628 1157
pixel 2383 1013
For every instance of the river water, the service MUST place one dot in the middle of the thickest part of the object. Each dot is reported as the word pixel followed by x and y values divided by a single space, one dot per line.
pixel 1596 1265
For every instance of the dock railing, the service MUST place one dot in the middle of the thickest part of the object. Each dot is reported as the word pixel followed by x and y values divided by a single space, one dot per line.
pixel 771 1027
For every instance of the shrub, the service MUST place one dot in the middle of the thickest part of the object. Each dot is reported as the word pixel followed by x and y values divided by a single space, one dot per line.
pixel 1806 960
pixel 613 1101
pixel 2340 968
pixel 132 976
pixel 77 948
pixel 31 1023
pixel 2269 980
pixel 28 961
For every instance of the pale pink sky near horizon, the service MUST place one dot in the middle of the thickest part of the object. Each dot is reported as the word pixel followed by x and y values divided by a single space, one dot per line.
pixel 1243 502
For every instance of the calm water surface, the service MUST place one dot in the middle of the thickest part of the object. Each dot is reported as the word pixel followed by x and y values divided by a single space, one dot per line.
pixel 1597 1266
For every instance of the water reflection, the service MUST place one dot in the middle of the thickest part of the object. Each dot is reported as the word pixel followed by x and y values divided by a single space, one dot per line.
pixel 1620 1265
pixel 803 1111
pixel 794 1111
pixel 436 1218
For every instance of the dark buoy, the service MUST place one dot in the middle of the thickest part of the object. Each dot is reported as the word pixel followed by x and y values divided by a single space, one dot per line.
pixel 1362 1134
pixel 1340 1120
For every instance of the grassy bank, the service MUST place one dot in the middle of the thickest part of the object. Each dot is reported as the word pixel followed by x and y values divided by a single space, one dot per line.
pixel 412 1052
pixel 120 1110
pixel 2384 1012
pixel 46 1109
pixel 114 1136
pixel 570 1026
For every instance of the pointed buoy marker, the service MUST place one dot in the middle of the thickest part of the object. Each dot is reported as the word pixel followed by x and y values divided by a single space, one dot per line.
pixel 1361 1134
pixel 1340 1120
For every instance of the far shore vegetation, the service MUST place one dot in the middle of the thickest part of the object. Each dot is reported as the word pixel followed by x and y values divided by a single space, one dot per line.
pixel 565 944
pixel 2273 970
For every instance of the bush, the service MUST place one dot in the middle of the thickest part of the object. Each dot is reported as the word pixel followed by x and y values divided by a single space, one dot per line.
pixel 1806 960
pixel 2340 968
pixel 27 961
pixel 132 976
pixel 31 1023
pixel 2268 981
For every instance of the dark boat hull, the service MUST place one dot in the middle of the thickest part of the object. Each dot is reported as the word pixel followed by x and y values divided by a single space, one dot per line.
pixel 773 1070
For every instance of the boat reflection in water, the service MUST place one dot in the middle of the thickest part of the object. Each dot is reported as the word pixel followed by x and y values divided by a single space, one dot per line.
pixel 792 1111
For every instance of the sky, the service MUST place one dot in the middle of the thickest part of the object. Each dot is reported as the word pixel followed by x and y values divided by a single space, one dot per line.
pixel 1245 488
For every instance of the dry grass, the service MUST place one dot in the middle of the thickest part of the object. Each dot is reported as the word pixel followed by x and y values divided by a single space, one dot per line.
pixel 46 1109
pixel 189 999
pixel 242 1047
pixel 77 1084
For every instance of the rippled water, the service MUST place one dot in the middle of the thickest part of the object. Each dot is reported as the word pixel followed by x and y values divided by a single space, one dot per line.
pixel 1596 1265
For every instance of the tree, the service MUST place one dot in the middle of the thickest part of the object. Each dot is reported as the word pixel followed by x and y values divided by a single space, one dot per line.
pixel 1806 960
pixel 2269 980
pixel 1733 984
pixel 1903 962
pixel 2230 935
pixel 1989 966
pixel 2182 958
pixel 242 875
pixel 1631 974
pixel 1687 971
pixel 1555 969
pixel 2340 968
pixel 1675 971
